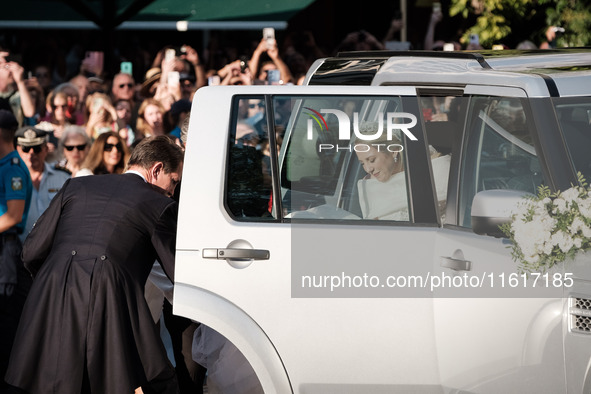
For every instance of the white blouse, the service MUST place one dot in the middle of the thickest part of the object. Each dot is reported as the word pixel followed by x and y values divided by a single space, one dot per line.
pixel 389 200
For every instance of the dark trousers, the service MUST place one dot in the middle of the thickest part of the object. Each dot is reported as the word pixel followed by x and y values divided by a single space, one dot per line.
pixel 191 375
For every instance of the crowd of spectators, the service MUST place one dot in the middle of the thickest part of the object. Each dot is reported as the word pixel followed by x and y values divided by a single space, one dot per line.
pixel 156 96
pixel 100 102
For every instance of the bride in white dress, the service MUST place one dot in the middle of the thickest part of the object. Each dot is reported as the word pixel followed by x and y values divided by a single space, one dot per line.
pixel 382 193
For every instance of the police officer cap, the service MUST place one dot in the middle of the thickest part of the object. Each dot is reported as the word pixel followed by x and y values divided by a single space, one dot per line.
pixel 30 136
pixel 7 120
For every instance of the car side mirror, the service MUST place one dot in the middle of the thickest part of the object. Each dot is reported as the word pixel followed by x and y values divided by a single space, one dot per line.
pixel 492 208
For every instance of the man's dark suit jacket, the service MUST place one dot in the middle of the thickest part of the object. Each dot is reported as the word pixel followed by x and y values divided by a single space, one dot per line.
pixel 91 253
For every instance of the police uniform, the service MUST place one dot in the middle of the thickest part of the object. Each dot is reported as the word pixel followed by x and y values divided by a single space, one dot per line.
pixel 15 281
pixel 51 183
pixel 15 184
pixel 51 179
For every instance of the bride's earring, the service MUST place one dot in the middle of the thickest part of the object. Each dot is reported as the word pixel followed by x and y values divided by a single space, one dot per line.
pixel 396 159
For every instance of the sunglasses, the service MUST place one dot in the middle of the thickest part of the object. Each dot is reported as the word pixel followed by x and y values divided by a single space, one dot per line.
pixel 78 147
pixel 109 147
pixel 129 85
pixel 260 105
pixel 36 149
pixel 60 106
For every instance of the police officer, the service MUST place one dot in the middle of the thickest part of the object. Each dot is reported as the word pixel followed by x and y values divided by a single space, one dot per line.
pixel 31 145
pixel 15 198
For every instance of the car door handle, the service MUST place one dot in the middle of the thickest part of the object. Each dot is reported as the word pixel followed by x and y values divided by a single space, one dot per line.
pixel 239 253
pixel 456 262
pixel 235 254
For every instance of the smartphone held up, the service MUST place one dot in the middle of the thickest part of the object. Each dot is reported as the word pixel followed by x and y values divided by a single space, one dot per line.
pixel 269 36
pixel 213 80
pixel 170 54
pixel 126 68
pixel 173 78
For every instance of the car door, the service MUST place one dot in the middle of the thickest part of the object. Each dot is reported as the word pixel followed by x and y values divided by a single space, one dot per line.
pixel 273 251
pixel 497 330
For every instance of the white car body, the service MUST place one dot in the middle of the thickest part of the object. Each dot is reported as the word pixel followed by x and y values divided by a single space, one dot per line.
pixel 434 340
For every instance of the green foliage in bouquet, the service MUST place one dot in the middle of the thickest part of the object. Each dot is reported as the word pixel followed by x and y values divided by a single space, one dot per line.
pixel 551 227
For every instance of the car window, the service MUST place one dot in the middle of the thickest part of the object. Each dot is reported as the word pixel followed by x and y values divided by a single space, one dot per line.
pixel 249 182
pixel 340 162
pixel 334 158
pixel 443 124
pixel 574 116
pixel 498 151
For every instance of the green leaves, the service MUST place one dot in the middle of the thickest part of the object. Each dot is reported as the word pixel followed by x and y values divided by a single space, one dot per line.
pixel 495 19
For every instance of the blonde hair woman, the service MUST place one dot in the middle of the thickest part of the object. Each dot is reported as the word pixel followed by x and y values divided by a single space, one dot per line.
pixel 150 119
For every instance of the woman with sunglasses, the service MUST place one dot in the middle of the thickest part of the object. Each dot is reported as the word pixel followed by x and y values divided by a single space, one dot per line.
pixel 74 145
pixel 108 155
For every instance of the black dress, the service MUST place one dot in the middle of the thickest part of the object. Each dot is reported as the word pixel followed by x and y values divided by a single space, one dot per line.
pixel 91 253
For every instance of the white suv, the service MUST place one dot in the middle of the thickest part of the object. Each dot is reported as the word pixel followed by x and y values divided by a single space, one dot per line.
pixel 329 282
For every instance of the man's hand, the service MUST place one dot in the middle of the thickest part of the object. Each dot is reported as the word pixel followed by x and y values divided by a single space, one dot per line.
pixel 190 54
pixel 16 70
pixel 273 51
pixel 234 75
pixel 436 17
pixel 262 47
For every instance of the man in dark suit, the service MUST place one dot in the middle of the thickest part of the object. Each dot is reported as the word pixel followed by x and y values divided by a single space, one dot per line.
pixel 86 326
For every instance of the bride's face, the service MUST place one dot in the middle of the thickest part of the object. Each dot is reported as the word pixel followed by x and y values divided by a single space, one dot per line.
pixel 380 165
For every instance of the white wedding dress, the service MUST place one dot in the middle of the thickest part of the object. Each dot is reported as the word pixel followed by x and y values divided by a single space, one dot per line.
pixel 389 200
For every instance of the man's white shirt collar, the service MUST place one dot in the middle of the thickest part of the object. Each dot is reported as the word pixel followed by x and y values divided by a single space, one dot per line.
pixel 137 173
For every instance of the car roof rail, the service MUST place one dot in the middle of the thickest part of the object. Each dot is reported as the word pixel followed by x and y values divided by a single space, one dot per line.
pixel 414 53
pixel 480 56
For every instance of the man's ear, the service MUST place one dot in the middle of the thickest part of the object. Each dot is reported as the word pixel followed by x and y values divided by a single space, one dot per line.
pixel 157 169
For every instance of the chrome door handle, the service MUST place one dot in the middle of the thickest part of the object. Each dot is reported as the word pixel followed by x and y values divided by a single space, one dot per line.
pixel 456 262
pixel 235 254
pixel 239 253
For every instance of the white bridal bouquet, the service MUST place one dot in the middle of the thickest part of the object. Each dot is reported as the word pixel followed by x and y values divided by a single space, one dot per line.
pixel 551 227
